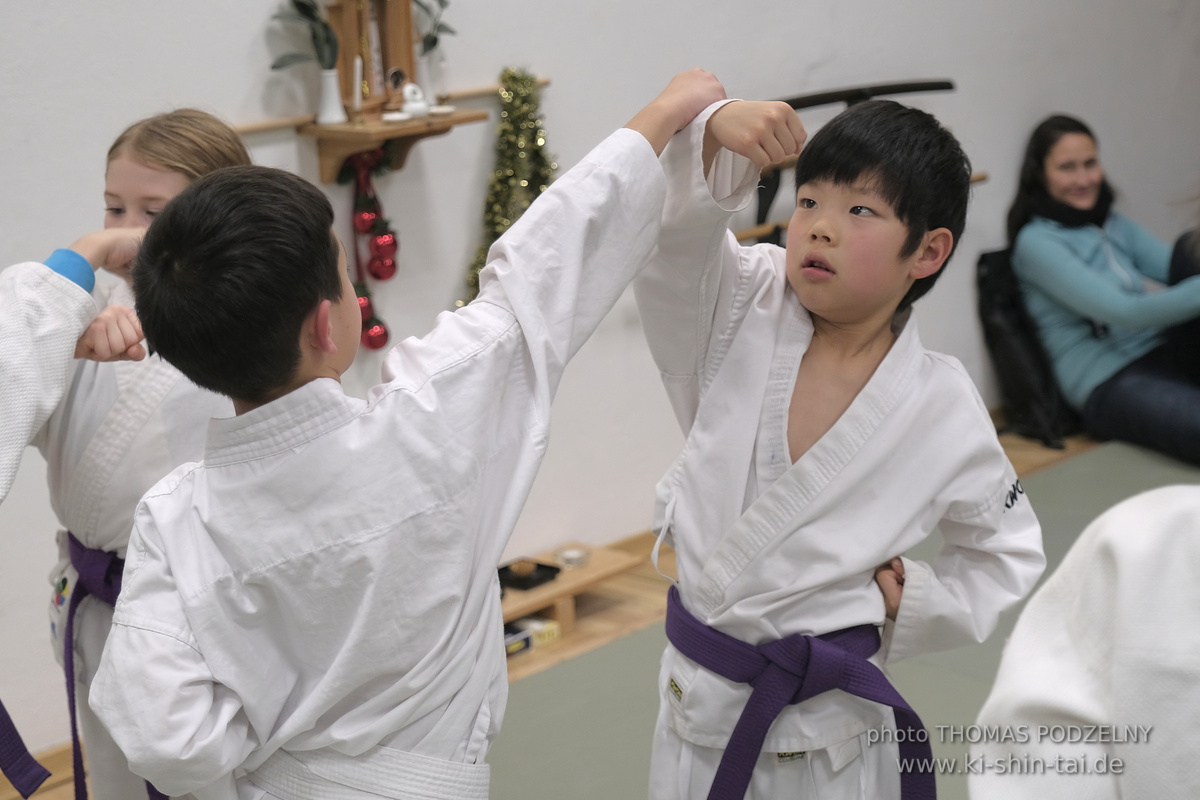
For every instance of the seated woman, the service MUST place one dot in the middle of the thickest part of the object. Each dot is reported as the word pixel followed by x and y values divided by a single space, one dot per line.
pixel 1108 301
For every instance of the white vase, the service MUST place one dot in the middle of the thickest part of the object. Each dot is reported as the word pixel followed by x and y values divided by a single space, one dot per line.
pixel 431 74
pixel 331 111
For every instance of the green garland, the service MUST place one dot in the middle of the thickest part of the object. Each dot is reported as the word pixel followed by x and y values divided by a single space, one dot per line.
pixel 523 169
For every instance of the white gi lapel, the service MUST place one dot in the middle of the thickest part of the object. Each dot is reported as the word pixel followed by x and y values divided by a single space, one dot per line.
pixel 774 512
pixel 141 388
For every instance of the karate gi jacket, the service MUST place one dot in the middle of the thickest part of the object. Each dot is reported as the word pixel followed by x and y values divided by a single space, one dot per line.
pixel 766 548
pixel 324 584
pixel 121 427
pixel 42 314
pixel 1103 666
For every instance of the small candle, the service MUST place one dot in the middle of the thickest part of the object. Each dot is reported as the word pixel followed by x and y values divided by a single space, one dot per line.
pixel 358 79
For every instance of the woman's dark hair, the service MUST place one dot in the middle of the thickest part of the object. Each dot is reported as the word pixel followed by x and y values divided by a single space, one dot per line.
pixel 1032 180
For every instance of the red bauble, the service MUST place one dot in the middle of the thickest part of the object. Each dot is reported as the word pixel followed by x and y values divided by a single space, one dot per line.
pixel 381 268
pixel 364 221
pixel 364 305
pixel 384 245
pixel 374 335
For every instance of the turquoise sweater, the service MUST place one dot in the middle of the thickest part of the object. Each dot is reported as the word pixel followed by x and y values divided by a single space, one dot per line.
pixel 1074 276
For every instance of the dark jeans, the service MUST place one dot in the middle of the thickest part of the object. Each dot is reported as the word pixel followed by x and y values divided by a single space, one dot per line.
pixel 1155 401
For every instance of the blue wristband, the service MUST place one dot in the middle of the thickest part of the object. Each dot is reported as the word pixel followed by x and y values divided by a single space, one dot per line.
pixel 73 267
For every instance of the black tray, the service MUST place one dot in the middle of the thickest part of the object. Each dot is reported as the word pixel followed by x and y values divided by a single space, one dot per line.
pixel 541 574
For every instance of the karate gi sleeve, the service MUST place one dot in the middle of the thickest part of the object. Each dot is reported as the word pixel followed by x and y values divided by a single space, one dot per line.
pixel 562 266
pixel 696 266
pixel 180 729
pixel 42 314
pixel 990 558
pixel 1041 260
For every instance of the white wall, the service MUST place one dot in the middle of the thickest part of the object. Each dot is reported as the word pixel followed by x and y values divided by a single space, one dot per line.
pixel 74 74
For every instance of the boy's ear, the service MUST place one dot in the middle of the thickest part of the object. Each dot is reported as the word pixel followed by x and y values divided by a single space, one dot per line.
pixel 318 329
pixel 932 253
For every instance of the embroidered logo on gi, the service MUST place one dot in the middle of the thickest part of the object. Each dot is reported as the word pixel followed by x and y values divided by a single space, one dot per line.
pixel 678 692
pixel 1014 494
pixel 785 758
pixel 60 592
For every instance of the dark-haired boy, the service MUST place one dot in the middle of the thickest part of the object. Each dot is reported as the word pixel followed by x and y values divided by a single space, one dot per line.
pixel 822 442
pixel 313 611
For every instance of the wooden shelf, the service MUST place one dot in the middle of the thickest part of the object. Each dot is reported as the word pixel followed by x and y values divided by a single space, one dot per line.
pixel 336 143
pixel 556 598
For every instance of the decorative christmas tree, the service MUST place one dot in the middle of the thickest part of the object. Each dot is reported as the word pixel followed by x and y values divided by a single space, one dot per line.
pixel 523 168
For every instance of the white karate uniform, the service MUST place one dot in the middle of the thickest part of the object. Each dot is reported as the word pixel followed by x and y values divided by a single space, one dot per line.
pixel 42 315
pixel 1108 645
pixel 767 548
pixel 120 428
pixel 317 604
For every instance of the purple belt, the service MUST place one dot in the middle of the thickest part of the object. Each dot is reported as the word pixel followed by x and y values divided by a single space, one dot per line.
pixel 788 671
pixel 99 576
pixel 18 766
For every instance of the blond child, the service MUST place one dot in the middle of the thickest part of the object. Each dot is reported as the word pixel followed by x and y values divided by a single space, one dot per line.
pixel 120 427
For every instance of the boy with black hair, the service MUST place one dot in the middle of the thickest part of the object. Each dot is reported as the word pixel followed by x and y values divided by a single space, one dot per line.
pixel 822 442
pixel 314 611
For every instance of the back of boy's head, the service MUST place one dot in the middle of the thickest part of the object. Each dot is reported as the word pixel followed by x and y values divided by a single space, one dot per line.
pixel 188 141
pixel 914 163
pixel 227 274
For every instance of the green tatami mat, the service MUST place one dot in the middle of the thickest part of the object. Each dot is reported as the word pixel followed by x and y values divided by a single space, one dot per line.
pixel 582 729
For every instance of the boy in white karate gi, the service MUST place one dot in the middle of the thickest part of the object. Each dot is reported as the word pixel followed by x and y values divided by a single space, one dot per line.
pixel 314 611
pixel 823 441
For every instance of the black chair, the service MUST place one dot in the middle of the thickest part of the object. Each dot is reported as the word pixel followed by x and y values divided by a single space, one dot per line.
pixel 1033 404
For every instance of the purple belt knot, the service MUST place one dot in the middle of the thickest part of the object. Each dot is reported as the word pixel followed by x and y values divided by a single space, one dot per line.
pixel 99 571
pixel 788 671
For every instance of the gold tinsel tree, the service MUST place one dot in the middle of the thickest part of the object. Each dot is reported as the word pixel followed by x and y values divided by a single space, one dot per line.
pixel 523 168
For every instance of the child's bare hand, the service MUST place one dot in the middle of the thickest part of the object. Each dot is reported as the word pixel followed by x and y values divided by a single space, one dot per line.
pixel 890 578
pixel 114 335
pixel 112 248
pixel 689 93
pixel 764 132
pixel 686 95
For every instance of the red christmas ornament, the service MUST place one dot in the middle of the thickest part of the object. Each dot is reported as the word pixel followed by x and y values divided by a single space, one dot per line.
pixel 364 221
pixel 374 335
pixel 384 245
pixel 381 268
pixel 364 305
